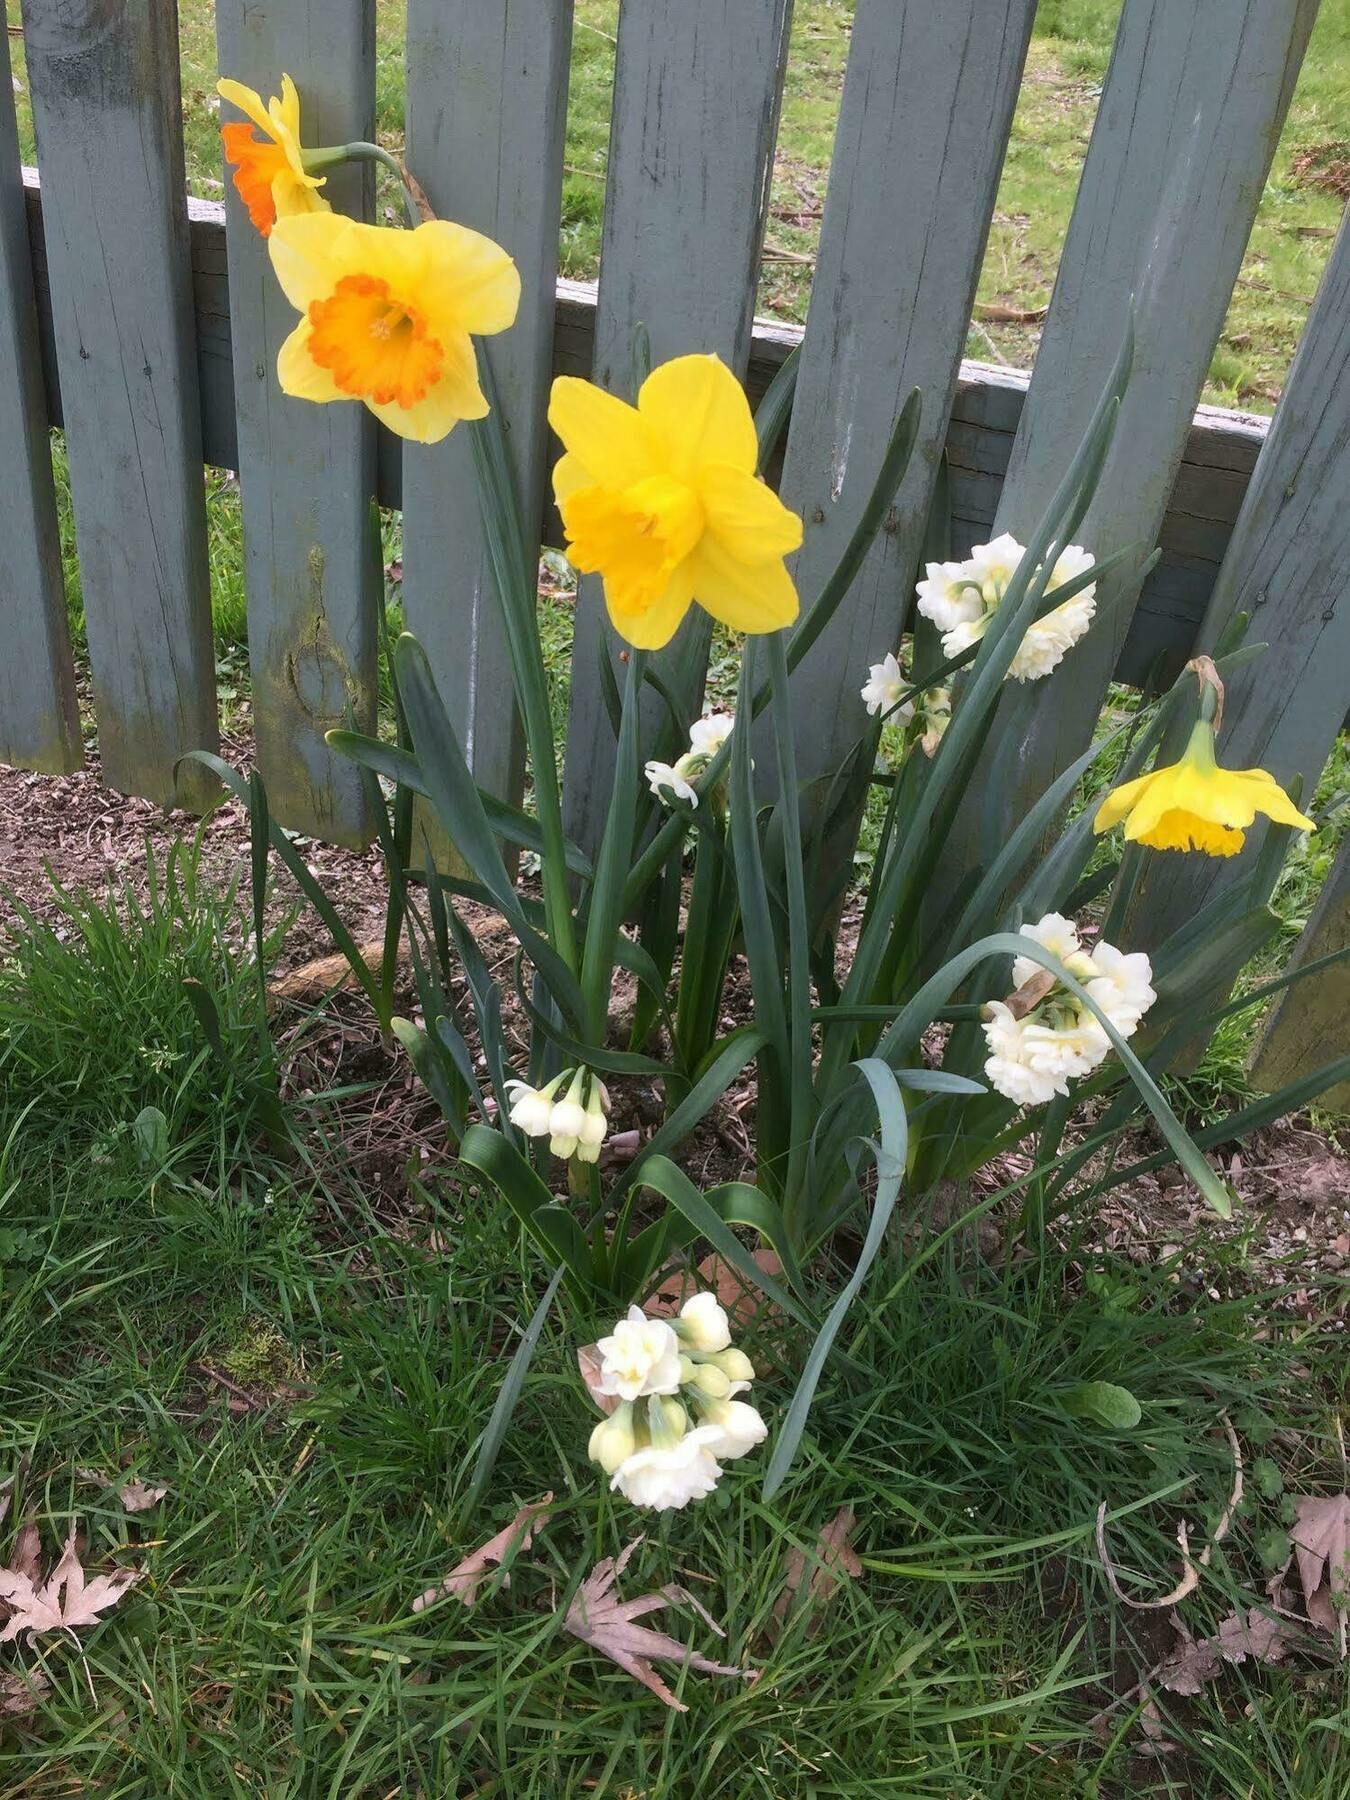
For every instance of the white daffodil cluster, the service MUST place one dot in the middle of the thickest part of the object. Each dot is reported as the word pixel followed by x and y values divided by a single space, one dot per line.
pixel 1035 1048
pixel 575 1124
pixel 677 1419
pixel 930 712
pixel 960 598
pixel 675 781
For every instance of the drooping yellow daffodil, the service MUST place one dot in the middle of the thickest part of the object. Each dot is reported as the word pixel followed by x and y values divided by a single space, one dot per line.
pixel 274 177
pixel 661 499
pixel 1196 805
pixel 388 316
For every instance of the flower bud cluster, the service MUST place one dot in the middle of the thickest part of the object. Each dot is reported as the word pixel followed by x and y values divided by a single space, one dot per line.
pixel 675 781
pixel 677 1419
pixel 574 1122
pixel 1035 1048
pixel 928 713
pixel 961 598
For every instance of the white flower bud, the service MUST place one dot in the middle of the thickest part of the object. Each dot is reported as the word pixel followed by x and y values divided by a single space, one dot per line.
pixel 734 1364
pixel 532 1107
pixel 738 1426
pixel 710 1380
pixel 702 1323
pixel 613 1441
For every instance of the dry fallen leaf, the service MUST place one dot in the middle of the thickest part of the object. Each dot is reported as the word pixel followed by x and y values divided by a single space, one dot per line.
pixel 66 1599
pixel 136 1496
pixel 599 1618
pixel 140 1496
pixel 1154 1727
pixel 588 1361
pixel 1321 1539
pixel 744 1302
pixel 465 1579
pixel 27 1553
pixel 1197 1660
pixel 20 1693
pixel 833 1561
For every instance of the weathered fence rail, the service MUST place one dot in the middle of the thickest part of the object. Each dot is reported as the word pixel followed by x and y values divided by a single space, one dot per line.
pixel 1216 464
pixel 147 326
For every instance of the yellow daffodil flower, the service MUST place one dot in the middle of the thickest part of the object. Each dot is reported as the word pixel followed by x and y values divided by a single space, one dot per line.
pixel 661 499
pixel 388 316
pixel 1196 805
pixel 271 172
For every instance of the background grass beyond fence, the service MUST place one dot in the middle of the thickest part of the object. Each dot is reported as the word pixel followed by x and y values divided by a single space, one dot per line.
pixel 1299 211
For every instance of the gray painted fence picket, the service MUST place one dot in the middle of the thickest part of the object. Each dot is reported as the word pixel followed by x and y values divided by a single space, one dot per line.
pixel 1286 567
pixel 487 106
pixel 928 103
pixel 696 90
pixel 1221 445
pixel 39 718
pixel 306 472
pixel 105 89
pixel 1308 1025
pixel 1185 131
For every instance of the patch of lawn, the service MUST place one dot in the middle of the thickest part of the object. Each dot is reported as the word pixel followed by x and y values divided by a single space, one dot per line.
pixel 1300 208
pixel 309 1377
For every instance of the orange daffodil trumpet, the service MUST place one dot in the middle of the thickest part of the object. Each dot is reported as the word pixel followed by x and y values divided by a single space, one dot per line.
pixel 275 178
pixel 1194 804
pixel 389 317
pixel 662 501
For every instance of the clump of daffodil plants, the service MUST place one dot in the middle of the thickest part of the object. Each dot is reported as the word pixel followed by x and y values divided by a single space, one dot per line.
pixel 957 1025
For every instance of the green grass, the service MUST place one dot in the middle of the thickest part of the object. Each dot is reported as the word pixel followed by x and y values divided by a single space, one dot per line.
pixel 1292 238
pixel 309 1373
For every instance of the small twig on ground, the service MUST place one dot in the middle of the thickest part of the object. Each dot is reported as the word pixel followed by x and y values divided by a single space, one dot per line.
pixel 1190 1580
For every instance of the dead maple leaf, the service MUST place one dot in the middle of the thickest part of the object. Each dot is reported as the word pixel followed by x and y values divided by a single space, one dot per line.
pixel 20 1693
pixel 65 1601
pixel 140 1496
pixel 1196 1661
pixel 744 1302
pixel 1321 1540
pixel 832 1562
pixel 136 1496
pixel 27 1554
pixel 465 1579
pixel 599 1618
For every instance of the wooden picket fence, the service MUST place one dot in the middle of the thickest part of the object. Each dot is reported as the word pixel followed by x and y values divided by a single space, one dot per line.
pixel 147 326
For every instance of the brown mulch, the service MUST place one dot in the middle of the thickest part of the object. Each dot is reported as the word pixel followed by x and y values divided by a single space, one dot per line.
pixel 1293 1182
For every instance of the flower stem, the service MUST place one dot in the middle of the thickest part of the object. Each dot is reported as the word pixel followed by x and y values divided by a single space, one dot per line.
pixel 376 153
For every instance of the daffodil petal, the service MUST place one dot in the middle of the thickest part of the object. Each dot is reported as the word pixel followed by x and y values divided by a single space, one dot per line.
pixel 652 627
pixel 288 107
pixel 603 433
pixel 293 197
pixel 300 376
pixel 455 396
pixel 471 281
pixel 1270 798
pixel 746 517
pixel 754 597
pixel 569 474
pixel 249 102
pixel 697 410
pixel 1119 802
pixel 310 253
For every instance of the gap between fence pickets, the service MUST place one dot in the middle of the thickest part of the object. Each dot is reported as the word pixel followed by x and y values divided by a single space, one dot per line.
pixel 1220 454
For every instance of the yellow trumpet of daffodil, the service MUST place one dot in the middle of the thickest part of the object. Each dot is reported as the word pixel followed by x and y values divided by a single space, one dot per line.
pixel 273 175
pixel 1195 804
pixel 662 501
pixel 389 317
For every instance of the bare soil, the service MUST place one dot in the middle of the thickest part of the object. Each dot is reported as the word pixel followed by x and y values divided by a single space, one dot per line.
pixel 1292 1180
